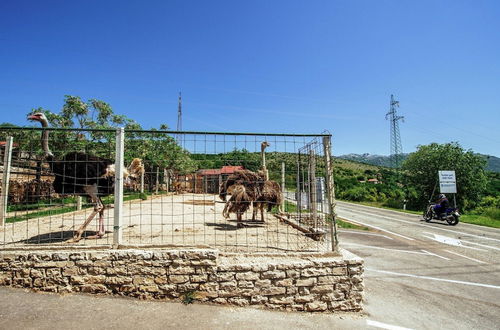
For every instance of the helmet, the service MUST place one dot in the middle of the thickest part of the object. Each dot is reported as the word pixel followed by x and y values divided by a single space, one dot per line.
pixel 441 196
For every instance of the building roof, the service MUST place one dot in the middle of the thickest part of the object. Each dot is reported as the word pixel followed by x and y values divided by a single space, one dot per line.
pixel 218 171
pixel 4 143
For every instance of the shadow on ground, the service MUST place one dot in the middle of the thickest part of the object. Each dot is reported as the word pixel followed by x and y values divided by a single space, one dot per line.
pixel 233 226
pixel 56 237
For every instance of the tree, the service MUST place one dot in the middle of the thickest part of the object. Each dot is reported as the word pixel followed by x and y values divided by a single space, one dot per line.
pixel 421 172
pixel 94 117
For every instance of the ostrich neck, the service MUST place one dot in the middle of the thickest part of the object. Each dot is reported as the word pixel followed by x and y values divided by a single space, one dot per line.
pixel 263 161
pixel 45 139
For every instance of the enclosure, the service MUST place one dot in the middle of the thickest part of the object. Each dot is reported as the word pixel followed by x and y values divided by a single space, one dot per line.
pixel 171 195
pixel 226 218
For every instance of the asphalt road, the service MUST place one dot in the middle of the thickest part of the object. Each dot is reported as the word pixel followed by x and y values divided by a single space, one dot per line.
pixel 418 275
pixel 426 275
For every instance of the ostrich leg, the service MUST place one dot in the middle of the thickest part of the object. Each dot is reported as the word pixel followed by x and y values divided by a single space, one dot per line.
pixel 98 208
pixel 100 230
pixel 255 206
pixel 238 219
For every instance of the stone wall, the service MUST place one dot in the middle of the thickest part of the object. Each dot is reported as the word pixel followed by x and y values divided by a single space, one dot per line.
pixel 313 283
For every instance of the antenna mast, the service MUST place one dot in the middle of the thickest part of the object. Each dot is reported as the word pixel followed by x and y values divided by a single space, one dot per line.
pixel 396 148
pixel 179 119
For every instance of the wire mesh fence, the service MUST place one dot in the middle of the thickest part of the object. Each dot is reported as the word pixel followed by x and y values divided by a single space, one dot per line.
pixel 231 191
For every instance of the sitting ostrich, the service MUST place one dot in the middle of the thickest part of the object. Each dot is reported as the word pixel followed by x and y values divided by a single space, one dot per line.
pixel 78 173
pixel 244 187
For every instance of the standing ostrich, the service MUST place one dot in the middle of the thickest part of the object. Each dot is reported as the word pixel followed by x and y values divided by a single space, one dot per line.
pixel 244 187
pixel 78 173
pixel 270 194
pixel 264 170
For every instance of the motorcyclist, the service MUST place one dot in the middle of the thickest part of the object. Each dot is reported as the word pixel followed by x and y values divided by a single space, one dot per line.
pixel 441 205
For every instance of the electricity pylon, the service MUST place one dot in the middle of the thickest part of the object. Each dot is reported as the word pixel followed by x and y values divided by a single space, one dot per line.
pixel 179 120
pixel 396 148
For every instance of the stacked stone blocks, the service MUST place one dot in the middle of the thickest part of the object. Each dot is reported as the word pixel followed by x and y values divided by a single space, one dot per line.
pixel 313 283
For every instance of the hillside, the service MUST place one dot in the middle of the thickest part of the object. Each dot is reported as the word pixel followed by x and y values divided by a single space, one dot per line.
pixel 493 163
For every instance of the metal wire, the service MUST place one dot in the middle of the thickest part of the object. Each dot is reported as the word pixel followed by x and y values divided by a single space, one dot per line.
pixel 175 200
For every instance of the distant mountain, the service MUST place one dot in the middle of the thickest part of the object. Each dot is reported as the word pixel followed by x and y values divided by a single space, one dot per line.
pixel 493 163
pixel 377 160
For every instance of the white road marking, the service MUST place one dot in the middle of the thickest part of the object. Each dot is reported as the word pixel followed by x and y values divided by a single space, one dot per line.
pixel 425 253
pixel 445 239
pixel 385 325
pixel 433 254
pixel 363 233
pixel 378 228
pixel 435 279
pixel 486 246
pixel 461 255
pixel 462 233
pixel 423 224
pixel 447 242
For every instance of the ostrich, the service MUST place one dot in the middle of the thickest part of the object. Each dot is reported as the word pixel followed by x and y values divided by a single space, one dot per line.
pixel 244 187
pixel 270 194
pixel 135 171
pixel 77 173
pixel 264 170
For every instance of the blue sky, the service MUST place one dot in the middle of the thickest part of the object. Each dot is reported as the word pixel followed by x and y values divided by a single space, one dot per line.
pixel 265 66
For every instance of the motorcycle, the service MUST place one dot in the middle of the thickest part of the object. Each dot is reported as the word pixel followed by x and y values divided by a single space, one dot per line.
pixel 452 216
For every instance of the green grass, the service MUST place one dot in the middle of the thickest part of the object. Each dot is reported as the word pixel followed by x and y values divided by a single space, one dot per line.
pixel 111 199
pixel 342 223
pixel 189 297
pixel 290 207
pixel 41 204
pixel 381 205
pixel 481 220
pixel 65 209
pixel 41 214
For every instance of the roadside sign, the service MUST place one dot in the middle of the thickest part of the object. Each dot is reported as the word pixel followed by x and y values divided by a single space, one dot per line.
pixel 447 182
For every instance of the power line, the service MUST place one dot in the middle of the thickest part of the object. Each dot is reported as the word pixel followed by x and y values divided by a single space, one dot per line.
pixel 396 147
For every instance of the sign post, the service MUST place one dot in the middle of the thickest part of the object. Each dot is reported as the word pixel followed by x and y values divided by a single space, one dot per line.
pixel 447 182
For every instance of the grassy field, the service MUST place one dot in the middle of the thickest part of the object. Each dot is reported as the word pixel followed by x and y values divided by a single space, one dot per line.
pixel 480 220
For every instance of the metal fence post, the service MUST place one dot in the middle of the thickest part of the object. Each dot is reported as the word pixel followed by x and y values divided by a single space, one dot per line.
pixel 283 190
pixel 298 192
pixel 312 188
pixel 157 179
pixel 119 166
pixel 7 158
pixel 167 176
pixel 142 182
pixel 330 191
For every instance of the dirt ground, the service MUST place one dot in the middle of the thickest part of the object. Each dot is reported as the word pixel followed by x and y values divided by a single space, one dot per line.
pixel 169 220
